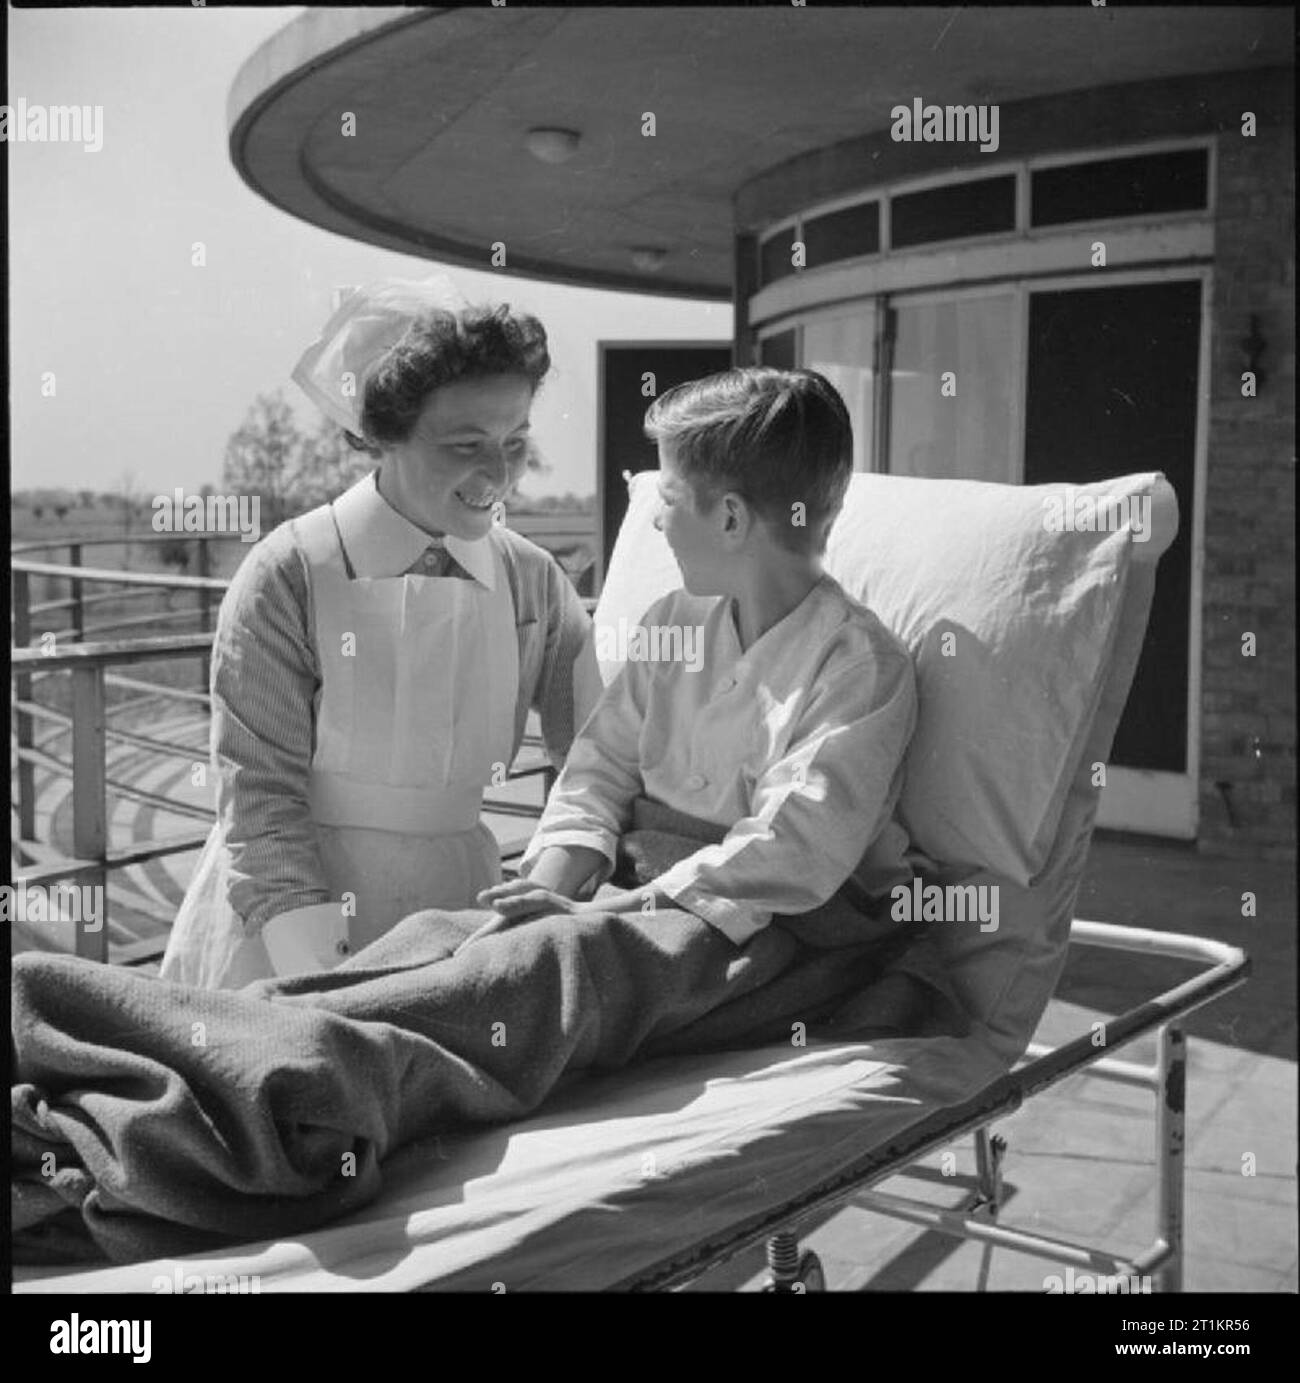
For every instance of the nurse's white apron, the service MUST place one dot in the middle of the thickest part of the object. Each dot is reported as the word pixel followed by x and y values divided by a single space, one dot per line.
pixel 419 679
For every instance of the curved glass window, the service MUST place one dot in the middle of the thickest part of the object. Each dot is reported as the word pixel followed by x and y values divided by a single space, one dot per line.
pixel 1152 183
pixel 775 257
pixel 842 234
pixel 1146 185
pixel 952 212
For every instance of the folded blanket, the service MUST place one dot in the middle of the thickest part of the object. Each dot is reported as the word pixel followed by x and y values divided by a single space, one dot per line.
pixel 152 1119
pixel 902 990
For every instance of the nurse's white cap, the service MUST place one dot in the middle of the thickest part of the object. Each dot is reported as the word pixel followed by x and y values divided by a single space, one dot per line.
pixel 367 323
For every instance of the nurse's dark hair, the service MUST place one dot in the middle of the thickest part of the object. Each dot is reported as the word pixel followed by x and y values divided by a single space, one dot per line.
pixel 780 439
pixel 442 348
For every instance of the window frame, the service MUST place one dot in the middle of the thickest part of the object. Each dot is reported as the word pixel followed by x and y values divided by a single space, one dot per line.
pixel 1023 168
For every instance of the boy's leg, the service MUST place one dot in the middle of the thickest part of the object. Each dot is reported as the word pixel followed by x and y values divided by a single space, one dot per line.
pixel 517 1009
pixel 520 1008
pixel 183 1117
pixel 179 1117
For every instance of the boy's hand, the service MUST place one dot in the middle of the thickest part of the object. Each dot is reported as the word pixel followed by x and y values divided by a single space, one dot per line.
pixel 517 899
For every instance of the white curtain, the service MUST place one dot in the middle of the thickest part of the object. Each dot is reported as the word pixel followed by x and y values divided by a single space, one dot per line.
pixel 967 436
pixel 841 348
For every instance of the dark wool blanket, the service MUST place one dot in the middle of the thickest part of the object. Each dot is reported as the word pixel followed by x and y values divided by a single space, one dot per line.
pixel 151 1119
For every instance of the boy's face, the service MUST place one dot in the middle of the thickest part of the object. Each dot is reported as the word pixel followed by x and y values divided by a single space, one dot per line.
pixel 695 537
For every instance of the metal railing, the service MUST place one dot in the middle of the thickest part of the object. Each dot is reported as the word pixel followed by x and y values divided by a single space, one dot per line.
pixel 90 667
pixel 60 627
pixel 146 583
pixel 92 857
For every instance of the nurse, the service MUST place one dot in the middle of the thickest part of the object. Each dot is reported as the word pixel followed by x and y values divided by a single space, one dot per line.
pixel 376 659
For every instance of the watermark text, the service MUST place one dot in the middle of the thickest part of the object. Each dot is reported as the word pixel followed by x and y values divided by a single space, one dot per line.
pixel 32 124
pixel 182 513
pixel 922 902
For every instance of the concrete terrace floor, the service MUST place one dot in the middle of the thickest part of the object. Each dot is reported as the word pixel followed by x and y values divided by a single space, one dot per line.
pixel 1080 1159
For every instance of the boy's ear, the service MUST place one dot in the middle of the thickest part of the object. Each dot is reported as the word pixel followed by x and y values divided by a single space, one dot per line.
pixel 736 514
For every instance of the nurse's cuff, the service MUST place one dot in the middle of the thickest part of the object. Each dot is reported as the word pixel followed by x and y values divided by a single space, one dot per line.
pixel 306 940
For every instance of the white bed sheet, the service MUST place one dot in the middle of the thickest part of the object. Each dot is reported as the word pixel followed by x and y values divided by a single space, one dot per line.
pixel 614 1174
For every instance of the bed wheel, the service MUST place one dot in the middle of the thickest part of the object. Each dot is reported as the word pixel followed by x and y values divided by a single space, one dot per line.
pixel 811 1273
pixel 790 1270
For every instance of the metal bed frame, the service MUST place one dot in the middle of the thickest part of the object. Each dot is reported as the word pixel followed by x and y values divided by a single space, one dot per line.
pixel 1042 1066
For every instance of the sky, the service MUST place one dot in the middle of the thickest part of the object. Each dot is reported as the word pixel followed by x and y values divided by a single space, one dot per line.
pixel 155 361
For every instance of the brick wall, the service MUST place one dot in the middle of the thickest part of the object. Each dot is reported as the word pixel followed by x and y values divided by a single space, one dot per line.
pixel 1248 726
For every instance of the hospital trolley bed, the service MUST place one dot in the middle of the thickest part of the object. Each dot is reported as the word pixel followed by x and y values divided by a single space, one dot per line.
pixel 1025 608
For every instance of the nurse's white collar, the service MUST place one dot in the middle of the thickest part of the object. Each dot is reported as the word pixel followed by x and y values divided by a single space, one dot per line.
pixel 380 542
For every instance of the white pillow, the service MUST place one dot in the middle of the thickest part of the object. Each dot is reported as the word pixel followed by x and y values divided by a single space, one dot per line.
pixel 1011 624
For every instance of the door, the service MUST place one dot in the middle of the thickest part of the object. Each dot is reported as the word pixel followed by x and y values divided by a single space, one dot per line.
pixel 628 369
pixel 1112 386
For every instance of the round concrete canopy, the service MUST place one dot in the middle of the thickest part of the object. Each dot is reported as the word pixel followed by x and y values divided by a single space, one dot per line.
pixel 408 129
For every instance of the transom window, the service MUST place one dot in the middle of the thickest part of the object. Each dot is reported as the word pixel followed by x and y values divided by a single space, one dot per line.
pixel 1034 194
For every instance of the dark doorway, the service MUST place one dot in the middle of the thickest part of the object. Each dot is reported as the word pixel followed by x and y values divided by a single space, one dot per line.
pixel 1112 386
pixel 623 367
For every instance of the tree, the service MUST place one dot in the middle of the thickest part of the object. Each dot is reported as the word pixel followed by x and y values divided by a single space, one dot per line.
pixel 534 464
pixel 325 466
pixel 260 456
pixel 128 496
pixel 175 552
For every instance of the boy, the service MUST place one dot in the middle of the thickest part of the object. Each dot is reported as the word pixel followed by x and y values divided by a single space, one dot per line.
pixel 792 733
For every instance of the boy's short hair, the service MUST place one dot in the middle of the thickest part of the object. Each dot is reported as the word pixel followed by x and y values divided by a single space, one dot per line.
pixel 775 437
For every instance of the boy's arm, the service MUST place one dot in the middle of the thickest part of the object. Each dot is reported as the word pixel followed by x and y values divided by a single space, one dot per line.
pixel 589 806
pixel 564 869
pixel 815 810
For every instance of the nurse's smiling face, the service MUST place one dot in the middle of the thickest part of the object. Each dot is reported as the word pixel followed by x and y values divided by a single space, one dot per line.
pixel 463 456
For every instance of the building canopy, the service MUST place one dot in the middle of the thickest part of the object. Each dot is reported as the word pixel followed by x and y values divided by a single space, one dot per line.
pixel 606 146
